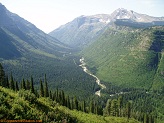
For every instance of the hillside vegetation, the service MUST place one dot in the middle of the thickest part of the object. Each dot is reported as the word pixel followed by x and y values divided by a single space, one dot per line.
pixel 29 107
pixel 128 57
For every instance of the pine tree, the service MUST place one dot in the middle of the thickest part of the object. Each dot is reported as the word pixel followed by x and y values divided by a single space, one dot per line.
pixel 114 108
pixel 145 118
pixel 107 109
pixel 50 95
pixel 2 76
pixel 76 104
pixel 68 102
pixel 128 109
pixel 23 85
pixel 120 104
pixel 27 84
pixel 7 82
pixel 91 107
pixel 63 98
pixel 36 93
pixel 83 105
pixel 32 86
pixel 41 89
pixel 95 108
pixel 16 86
pixel 12 86
pixel 46 93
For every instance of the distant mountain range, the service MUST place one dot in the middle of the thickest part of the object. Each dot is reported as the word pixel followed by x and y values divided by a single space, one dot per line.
pixel 83 30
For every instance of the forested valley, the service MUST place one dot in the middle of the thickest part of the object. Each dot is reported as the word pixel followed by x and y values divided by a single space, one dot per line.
pixel 131 103
pixel 104 68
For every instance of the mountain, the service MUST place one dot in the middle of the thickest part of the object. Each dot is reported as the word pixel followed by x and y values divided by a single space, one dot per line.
pixel 122 13
pixel 19 36
pixel 83 30
pixel 27 51
pixel 128 57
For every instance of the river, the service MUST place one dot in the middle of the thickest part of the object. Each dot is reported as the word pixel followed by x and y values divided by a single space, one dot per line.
pixel 83 66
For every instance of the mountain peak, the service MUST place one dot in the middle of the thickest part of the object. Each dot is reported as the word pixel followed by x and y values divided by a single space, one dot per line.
pixel 2 6
pixel 122 13
pixel 121 9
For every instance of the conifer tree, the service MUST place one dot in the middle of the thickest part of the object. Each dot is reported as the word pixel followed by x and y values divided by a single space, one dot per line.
pixel 46 93
pixel 50 95
pixel 57 95
pixel 2 76
pixel 23 85
pixel 91 107
pixel 36 93
pixel 54 96
pixel 32 86
pixel 28 85
pixel 68 102
pixel 12 86
pixel 114 108
pixel 95 108
pixel 41 89
pixel 120 104
pixel 145 118
pixel 63 98
pixel 107 109
pixel 75 103
pixel 83 106
pixel 16 86
pixel 7 82
pixel 128 109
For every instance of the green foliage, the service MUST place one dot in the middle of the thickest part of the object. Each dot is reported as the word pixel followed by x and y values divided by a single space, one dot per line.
pixel 32 86
pixel 128 109
pixel 128 57
pixel 28 95
pixel 12 106
pixel 12 85
pixel 41 89
pixel 46 92
pixel 16 86
pixel 2 76
pixel 64 73
pixel 17 110
pixel 23 85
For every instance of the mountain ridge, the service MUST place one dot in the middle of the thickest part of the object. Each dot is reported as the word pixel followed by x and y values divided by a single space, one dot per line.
pixel 18 28
pixel 25 50
pixel 84 30
pixel 128 57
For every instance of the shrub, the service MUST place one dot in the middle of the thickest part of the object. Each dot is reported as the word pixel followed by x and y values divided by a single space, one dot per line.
pixel 27 95
pixel 3 111
pixel 17 111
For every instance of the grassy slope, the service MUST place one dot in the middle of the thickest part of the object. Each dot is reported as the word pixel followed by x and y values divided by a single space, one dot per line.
pixel 45 107
pixel 123 56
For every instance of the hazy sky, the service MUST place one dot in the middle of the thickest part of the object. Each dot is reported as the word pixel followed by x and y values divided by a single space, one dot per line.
pixel 50 14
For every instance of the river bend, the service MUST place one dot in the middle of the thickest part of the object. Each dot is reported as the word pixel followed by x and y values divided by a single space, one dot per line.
pixel 83 66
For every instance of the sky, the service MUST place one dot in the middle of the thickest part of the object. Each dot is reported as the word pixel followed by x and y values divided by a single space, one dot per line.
pixel 48 15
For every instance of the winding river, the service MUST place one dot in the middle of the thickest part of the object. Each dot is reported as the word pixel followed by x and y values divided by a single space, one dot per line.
pixel 83 66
